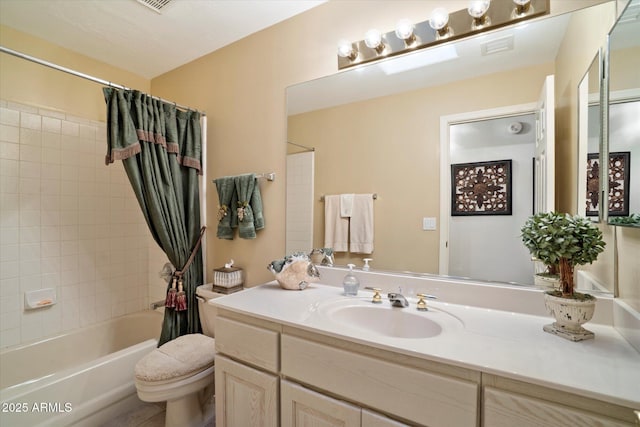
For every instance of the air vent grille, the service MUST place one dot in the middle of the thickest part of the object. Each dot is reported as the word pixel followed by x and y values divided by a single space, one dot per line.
pixel 155 5
pixel 498 45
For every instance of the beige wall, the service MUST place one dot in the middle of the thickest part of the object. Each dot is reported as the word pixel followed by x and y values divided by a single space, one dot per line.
pixel 391 146
pixel 34 84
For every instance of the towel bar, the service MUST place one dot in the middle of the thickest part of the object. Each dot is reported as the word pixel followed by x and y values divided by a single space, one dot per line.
pixel 375 197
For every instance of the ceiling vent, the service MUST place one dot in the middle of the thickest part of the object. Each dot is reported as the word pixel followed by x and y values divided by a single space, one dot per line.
pixel 498 45
pixel 155 5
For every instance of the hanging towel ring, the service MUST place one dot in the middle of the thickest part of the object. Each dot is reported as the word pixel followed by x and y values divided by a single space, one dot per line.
pixel 176 297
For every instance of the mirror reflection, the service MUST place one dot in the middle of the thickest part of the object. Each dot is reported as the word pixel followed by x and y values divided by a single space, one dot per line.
pixel 624 126
pixel 372 130
pixel 589 136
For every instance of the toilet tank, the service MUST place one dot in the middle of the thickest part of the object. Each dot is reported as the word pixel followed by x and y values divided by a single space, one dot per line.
pixel 206 311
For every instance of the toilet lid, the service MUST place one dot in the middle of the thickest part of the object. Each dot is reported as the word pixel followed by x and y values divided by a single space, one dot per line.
pixel 180 357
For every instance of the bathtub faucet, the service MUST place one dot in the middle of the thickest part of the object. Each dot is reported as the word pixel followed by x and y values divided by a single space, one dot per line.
pixel 156 304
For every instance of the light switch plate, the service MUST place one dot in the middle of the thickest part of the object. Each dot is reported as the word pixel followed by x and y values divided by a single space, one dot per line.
pixel 428 223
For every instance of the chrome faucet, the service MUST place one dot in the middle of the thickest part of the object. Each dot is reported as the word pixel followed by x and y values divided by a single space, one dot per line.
pixel 397 300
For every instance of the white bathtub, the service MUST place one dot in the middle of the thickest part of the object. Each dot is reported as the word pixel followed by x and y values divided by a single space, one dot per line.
pixel 83 377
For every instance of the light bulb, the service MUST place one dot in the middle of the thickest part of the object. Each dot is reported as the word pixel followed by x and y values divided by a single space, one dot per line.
pixel 345 49
pixel 439 18
pixel 522 2
pixel 477 8
pixel 404 29
pixel 373 39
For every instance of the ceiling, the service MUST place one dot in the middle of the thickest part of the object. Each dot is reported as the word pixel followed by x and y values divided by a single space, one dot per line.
pixel 132 36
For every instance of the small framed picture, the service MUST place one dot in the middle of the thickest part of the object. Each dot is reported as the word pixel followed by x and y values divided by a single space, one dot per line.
pixel 618 183
pixel 481 188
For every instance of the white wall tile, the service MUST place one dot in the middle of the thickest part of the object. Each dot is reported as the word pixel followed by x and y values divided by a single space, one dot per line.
pixel 50 124
pixel 9 133
pixel 9 167
pixel 68 222
pixel 9 117
pixel 31 121
pixel 31 137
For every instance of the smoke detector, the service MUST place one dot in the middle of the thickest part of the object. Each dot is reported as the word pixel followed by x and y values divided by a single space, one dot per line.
pixel 514 127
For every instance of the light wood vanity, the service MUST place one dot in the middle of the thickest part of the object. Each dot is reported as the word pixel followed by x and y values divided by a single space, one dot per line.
pixel 274 370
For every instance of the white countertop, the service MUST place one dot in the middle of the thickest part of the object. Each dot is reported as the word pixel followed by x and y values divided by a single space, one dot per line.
pixel 508 344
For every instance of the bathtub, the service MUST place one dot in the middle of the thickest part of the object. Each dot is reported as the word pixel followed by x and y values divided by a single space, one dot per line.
pixel 83 377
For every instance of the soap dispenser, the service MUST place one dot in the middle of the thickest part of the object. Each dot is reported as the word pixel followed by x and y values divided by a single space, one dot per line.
pixel 350 282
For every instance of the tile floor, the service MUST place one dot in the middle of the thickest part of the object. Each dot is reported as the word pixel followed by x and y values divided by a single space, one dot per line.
pixel 148 415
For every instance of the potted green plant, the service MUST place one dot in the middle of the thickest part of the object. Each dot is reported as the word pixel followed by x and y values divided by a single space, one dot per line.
pixel 568 241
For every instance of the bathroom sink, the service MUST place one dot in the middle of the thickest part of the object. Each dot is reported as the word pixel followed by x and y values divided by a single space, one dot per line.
pixel 387 321
pixel 390 322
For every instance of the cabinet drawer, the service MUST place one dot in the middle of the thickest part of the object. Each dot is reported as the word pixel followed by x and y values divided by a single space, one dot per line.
pixel 505 409
pixel 416 395
pixel 250 344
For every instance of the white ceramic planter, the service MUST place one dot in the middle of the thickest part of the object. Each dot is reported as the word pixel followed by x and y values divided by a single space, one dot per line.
pixel 570 315
pixel 548 282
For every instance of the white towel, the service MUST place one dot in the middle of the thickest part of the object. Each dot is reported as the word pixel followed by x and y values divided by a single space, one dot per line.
pixel 336 228
pixel 346 205
pixel 362 224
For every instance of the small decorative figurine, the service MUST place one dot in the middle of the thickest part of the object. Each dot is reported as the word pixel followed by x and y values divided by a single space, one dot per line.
pixel 295 271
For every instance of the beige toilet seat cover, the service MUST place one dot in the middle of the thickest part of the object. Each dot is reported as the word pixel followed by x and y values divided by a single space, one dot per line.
pixel 180 357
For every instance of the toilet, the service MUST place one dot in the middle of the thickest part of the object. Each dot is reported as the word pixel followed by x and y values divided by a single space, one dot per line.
pixel 181 371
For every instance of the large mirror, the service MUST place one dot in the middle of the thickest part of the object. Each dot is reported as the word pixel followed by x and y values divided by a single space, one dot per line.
pixel 624 113
pixel 377 129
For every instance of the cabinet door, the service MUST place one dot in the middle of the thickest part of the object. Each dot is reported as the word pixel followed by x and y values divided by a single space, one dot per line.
pixel 245 396
pixel 371 419
pixel 504 409
pixel 301 407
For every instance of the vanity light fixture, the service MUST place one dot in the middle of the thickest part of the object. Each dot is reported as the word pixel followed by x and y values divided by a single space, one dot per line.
pixel 373 40
pixel 478 11
pixel 523 7
pixel 346 50
pixel 442 26
pixel 439 21
pixel 404 31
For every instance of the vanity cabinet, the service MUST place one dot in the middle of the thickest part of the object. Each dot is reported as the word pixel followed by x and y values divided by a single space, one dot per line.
pixel 272 374
pixel 509 403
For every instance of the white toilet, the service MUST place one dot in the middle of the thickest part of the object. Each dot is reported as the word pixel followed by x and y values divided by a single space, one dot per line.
pixel 181 371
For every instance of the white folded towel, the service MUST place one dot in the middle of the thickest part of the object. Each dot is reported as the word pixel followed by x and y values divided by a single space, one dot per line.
pixel 346 205
pixel 336 228
pixel 361 224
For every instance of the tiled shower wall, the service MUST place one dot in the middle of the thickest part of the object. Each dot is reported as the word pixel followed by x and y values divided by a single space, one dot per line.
pixel 67 222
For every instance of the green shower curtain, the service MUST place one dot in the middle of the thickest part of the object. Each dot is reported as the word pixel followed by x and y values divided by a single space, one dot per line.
pixel 160 148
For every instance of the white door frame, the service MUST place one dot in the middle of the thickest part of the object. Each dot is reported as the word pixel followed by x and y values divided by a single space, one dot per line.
pixel 445 165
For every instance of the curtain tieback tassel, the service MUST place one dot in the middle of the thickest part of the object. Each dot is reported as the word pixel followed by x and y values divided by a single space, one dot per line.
pixel 181 298
pixel 170 302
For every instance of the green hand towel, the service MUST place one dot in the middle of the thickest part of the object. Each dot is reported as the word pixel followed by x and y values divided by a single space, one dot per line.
pixel 227 206
pixel 244 189
pixel 256 206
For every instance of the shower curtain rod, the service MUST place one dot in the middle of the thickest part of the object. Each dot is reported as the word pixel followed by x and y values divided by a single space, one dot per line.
pixel 85 76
